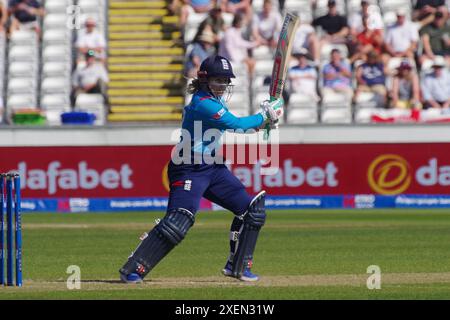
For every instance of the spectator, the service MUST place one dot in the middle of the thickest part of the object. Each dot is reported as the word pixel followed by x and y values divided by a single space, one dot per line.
pixel 25 14
pixel 425 8
pixel 267 24
pixel 371 77
pixel 181 9
pixel 202 48
pixel 436 38
pixel 405 93
pixel 306 38
pixel 90 78
pixel 235 48
pixel 369 11
pixel 369 40
pixel 436 86
pixel 215 23
pixel 337 76
pixel 334 25
pixel 402 37
pixel 303 77
pixel 91 40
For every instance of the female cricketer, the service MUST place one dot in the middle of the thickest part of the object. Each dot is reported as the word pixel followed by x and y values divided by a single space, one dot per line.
pixel 193 179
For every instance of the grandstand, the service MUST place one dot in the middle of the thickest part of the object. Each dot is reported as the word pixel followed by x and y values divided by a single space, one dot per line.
pixel 147 46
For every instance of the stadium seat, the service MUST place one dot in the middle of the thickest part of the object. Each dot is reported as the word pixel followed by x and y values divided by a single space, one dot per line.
pixel 56 53
pixel 298 100
pixel 23 53
pixel 86 100
pixel 92 103
pixel 55 21
pixel 333 115
pixel 262 53
pixel 57 6
pixel 22 69
pixel 364 115
pixel 366 100
pixel 55 85
pixel 23 37
pixel 264 67
pixel 57 37
pixel 18 101
pixel 393 5
pixel 55 101
pixel 22 85
pixel 302 116
pixel 51 69
pixel 335 100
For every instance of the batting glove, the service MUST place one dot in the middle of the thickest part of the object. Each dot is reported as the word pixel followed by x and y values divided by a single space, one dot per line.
pixel 272 110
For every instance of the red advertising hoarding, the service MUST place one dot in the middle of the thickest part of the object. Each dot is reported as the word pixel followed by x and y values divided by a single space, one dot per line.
pixel 385 169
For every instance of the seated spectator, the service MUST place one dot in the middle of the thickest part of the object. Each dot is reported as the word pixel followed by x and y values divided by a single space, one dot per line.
pixel 337 76
pixel 369 11
pixel 306 38
pixel 436 86
pixel 426 8
pixel 402 37
pixel 368 40
pixel 335 26
pixel 405 93
pixel 202 49
pixel 303 77
pixel 436 38
pixel 371 77
pixel 267 24
pixel 91 40
pixel 90 78
pixel 25 14
pixel 235 48
pixel 201 6
pixel 215 23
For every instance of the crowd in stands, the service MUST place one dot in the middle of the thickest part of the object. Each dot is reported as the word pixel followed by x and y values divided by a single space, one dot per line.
pixel 89 74
pixel 399 56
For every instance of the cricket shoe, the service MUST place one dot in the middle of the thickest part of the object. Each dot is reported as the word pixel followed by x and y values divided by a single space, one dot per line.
pixel 131 278
pixel 247 275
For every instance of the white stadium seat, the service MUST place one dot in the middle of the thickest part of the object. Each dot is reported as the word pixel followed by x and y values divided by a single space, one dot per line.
pixel 333 115
pixel 21 101
pixel 55 85
pixel 56 53
pixel 300 115
pixel 57 6
pixel 55 20
pixel 56 69
pixel 298 100
pixel 55 101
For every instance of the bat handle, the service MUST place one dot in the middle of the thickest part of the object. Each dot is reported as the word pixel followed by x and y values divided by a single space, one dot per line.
pixel 267 128
pixel 267 132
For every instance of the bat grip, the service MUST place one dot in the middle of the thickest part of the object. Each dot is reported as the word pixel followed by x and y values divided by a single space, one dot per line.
pixel 267 128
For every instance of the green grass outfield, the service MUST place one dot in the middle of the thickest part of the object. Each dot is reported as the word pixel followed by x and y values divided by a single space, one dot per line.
pixel 301 254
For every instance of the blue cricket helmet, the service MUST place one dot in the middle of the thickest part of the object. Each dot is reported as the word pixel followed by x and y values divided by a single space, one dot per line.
pixel 216 66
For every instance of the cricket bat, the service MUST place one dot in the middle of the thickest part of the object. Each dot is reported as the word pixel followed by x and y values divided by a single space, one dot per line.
pixel 281 63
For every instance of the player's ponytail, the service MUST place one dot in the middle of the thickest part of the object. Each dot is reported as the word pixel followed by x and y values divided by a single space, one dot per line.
pixel 193 87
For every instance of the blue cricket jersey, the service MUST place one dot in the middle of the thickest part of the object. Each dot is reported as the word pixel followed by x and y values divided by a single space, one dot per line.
pixel 212 113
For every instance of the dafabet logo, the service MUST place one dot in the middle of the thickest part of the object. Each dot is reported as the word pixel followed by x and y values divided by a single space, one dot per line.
pixel 389 174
